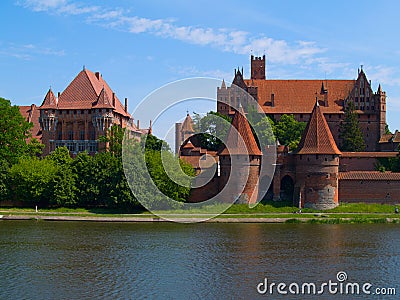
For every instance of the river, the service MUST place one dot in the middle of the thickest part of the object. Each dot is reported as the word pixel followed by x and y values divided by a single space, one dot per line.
pixel 90 260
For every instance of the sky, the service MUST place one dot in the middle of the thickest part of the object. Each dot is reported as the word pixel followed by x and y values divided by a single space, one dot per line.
pixel 140 46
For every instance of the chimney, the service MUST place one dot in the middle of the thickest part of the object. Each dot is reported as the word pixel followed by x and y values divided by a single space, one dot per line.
pixel 126 105
pixel 113 100
pixel 138 124
pixel 151 127
pixel 97 75
pixel 58 95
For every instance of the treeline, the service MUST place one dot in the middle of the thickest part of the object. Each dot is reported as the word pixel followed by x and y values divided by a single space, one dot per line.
pixel 58 180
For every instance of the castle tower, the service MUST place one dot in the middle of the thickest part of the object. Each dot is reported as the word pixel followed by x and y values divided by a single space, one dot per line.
pixel 317 165
pixel 183 131
pixel 48 121
pixel 258 70
pixel 245 156
pixel 382 110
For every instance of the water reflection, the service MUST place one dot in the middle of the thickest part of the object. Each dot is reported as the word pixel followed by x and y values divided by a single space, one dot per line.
pixel 66 260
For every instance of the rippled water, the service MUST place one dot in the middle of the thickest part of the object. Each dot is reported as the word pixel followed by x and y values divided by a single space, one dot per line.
pixel 72 260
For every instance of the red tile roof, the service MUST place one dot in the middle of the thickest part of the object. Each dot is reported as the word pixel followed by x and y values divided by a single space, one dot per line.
pixel 31 114
pixel 298 96
pixel 317 137
pixel 368 175
pixel 240 129
pixel 187 124
pixel 50 101
pixel 84 91
pixel 369 154
pixel 103 101
pixel 391 137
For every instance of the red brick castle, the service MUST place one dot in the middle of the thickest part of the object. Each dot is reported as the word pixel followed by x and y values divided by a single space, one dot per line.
pixel 317 174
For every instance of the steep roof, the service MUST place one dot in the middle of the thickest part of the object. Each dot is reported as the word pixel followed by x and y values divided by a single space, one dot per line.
pixel 103 101
pixel 187 124
pixel 83 93
pixel 31 114
pixel 50 101
pixel 296 96
pixel 240 128
pixel 317 137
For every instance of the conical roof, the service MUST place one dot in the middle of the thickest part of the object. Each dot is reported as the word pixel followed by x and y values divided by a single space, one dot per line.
pixel 243 131
pixel 50 101
pixel 317 137
pixel 187 125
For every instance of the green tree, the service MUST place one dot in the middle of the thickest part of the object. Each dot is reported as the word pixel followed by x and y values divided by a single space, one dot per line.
pixel 14 131
pixel 350 132
pixel 4 169
pixel 114 137
pixel 65 190
pixel 32 180
pixel 151 142
pixel 210 126
pixel 289 131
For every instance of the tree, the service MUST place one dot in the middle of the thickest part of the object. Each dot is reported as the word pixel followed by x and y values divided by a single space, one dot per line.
pixel 32 180
pixel 289 131
pixel 14 130
pixel 211 128
pixel 350 132
pixel 114 137
pixel 65 190
pixel 4 169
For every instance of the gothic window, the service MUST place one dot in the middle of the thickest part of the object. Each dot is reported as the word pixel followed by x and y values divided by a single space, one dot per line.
pixel 70 135
pixel 82 135
pixel 59 135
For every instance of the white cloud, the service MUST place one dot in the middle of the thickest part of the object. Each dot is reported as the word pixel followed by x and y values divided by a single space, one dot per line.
pixel 236 41
pixel 28 51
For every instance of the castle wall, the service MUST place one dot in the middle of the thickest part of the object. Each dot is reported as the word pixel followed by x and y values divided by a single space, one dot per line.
pixel 317 180
pixel 243 167
pixel 369 191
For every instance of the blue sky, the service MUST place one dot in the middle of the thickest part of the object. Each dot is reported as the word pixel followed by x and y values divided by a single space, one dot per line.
pixel 139 46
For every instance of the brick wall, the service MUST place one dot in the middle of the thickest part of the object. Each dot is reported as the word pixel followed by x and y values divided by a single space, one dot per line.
pixel 369 191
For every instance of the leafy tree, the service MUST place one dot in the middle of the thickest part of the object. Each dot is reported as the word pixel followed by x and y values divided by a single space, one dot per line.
pixel 14 130
pixel 86 185
pixel 289 131
pixel 387 130
pixel 4 169
pixel 350 132
pixel 151 142
pixel 32 180
pixel 35 148
pixel 114 137
pixel 65 190
pixel 210 126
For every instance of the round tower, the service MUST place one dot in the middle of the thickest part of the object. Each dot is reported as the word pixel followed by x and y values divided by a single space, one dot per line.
pixel 317 165
pixel 240 162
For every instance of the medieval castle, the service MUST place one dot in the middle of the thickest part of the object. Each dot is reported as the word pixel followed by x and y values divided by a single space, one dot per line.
pixel 317 174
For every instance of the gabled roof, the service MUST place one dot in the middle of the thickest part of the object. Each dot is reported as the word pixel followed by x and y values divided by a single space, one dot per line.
pixel 31 114
pixel 240 129
pixel 103 101
pixel 297 96
pixel 50 101
pixel 238 80
pixel 187 125
pixel 317 137
pixel 390 138
pixel 83 93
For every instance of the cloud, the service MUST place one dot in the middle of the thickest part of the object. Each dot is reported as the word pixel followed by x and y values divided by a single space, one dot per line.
pixel 227 40
pixel 193 71
pixel 28 51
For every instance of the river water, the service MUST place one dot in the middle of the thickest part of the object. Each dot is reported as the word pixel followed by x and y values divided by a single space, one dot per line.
pixel 83 260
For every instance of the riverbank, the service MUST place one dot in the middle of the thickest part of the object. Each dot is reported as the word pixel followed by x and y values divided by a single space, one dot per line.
pixel 333 218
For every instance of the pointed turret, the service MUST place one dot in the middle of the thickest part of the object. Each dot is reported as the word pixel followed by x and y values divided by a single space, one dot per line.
pixel 223 85
pixel 317 137
pixel 240 129
pixel 238 80
pixel 187 125
pixel 50 101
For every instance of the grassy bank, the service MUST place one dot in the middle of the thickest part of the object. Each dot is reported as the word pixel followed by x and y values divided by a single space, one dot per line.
pixel 283 211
